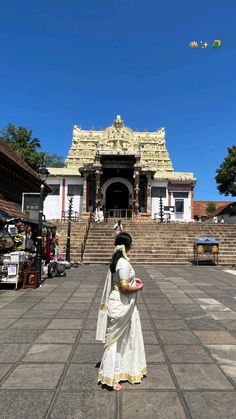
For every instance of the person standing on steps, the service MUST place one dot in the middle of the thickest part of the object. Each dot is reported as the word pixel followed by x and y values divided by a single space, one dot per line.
pixel 118 324
pixel 118 227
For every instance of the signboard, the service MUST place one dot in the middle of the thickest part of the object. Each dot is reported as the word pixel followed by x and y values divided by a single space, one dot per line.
pixel 30 205
pixel 169 208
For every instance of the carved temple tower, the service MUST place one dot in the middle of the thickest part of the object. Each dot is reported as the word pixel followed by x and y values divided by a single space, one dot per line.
pixel 125 171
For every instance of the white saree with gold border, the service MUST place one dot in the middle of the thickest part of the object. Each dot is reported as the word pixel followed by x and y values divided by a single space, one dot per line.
pixel 120 329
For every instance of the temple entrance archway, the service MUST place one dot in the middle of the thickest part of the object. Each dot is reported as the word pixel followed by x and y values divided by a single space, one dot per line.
pixel 117 193
pixel 117 196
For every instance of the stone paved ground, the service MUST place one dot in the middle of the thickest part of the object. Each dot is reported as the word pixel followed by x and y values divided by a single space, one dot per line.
pixel 48 354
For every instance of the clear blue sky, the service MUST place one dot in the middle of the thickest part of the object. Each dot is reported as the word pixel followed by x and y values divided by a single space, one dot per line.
pixel 82 62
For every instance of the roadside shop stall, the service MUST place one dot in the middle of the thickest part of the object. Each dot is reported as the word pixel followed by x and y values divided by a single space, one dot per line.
pixel 18 239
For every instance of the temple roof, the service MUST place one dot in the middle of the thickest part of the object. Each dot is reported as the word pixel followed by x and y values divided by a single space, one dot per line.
pixel 119 139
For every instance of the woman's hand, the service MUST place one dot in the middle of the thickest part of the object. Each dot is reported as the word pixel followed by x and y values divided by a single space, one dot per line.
pixel 126 288
pixel 139 286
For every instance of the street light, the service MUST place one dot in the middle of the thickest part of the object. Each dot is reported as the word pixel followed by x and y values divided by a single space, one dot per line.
pixel 161 213
pixel 70 199
pixel 44 173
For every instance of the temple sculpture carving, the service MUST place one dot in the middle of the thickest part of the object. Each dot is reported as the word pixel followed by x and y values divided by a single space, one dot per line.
pixel 125 171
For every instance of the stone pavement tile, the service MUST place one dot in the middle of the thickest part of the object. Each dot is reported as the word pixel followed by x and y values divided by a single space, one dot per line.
pixel 165 315
pixel 4 323
pixel 34 376
pixel 71 314
pixel 149 336
pixel 76 306
pixel 223 354
pixel 22 404
pixel 90 405
pixel 17 305
pixel 36 314
pixel 90 324
pixel 18 335
pixel 48 353
pixel 12 352
pixel 158 377
pixel 58 336
pixel 160 306
pixel 146 324
pixel 30 324
pixel 223 315
pixel 181 337
pixel 196 315
pixel 182 301
pixel 229 324
pixel 211 405
pixel 65 324
pixel 87 336
pixel 200 376
pixel 144 314
pixel 87 300
pixel 215 337
pixel 204 324
pixel 215 307
pixel 53 306
pixel 230 371
pixel 3 304
pixel 188 308
pixel 154 353
pixel 81 377
pixel 4 368
pixel 152 404
pixel 187 353
pixel 61 298
pixel 170 324
pixel 12 314
pixel 85 353
pixel 93 314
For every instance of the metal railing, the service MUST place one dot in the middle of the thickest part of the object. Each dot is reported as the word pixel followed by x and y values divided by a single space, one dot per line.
pixel 65 216
pixel 83 243
pixel 120 213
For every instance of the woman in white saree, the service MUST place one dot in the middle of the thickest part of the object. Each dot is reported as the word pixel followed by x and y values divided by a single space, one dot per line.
pixel 118 323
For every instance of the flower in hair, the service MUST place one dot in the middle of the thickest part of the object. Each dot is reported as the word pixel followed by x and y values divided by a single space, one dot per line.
pixel 121 248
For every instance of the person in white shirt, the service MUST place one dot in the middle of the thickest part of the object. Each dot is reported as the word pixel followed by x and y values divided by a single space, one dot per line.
pixel 118 227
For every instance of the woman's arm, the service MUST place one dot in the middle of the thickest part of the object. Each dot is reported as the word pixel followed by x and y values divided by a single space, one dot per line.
pixel 126 288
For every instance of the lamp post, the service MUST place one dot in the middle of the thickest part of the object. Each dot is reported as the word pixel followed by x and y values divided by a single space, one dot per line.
pixel 69 228
pixel 44 173
pixel 161 213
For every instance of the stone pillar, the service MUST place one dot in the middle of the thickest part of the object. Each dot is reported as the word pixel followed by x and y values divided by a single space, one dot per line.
pixel 149 199
pixel 85 189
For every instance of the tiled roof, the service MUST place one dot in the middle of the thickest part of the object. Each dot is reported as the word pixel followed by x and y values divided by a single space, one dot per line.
pixel 200 207
pixel 7 153
pixel 11 208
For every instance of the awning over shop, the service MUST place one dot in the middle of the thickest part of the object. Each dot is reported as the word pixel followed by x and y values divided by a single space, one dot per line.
pixel 9 209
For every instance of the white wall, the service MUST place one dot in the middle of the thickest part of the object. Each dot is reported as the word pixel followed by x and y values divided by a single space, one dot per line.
pixel 52 204
pixel 186 215
pixel 77 199
pixel 156 201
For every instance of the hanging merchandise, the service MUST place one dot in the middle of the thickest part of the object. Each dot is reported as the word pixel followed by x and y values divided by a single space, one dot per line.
pixel 6 241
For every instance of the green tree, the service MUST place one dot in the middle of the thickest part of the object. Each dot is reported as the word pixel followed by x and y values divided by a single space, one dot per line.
pixel 20 140
pixel 210 207
pixel 226 174
pixel 52 160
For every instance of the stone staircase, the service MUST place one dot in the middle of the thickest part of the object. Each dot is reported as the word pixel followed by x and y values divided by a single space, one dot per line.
pixel 155 243
pixel 78 229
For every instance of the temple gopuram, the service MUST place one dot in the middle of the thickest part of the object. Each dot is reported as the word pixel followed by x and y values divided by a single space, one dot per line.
pixel 124 171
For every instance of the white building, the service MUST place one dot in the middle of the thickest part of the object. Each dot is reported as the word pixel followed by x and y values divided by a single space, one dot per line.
pixel 127 172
